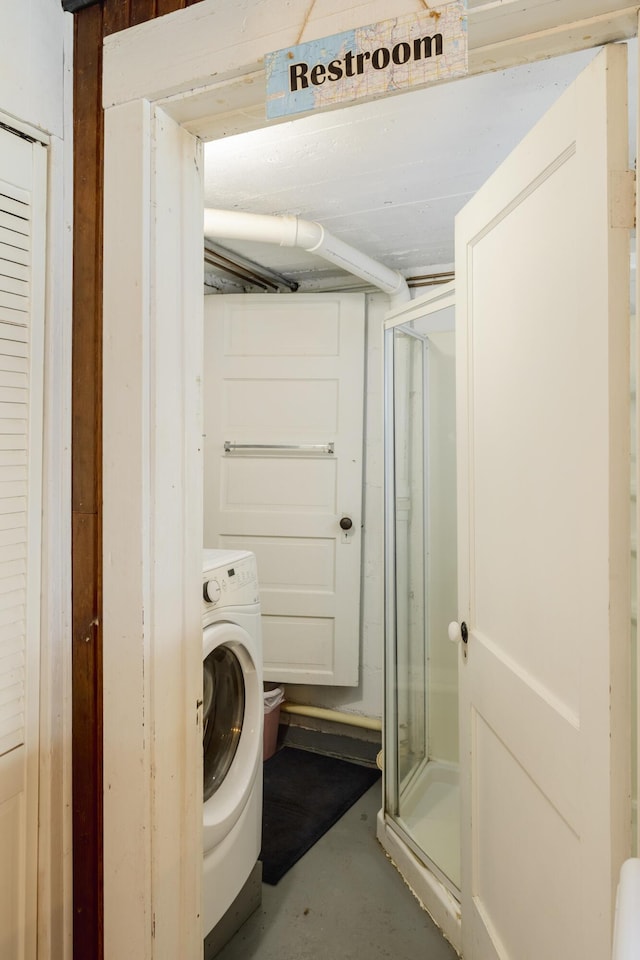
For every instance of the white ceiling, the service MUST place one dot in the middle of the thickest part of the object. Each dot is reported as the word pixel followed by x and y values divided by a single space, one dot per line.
pixel 387 177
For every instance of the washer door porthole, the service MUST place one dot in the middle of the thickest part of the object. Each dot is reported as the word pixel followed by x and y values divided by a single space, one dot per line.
pixel 223 715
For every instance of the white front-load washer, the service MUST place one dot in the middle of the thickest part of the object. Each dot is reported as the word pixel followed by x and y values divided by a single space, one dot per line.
pixel 233 711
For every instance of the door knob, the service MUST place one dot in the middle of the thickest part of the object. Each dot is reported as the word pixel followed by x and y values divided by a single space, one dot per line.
pixel 458 631
pixel 346 523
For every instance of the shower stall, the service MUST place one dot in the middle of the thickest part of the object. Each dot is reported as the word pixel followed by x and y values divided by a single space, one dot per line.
pixel 421 795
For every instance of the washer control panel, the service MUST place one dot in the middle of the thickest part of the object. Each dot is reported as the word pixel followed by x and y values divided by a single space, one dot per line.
pixel 232 584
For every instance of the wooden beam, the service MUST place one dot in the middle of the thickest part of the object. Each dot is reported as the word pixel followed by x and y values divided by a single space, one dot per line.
pixel 231 77
pixel 141 11
pixel 552 41
pixel 117 16
pixel 71 6
pixel 86 492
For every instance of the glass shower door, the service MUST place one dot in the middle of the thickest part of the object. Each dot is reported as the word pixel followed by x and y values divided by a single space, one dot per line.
pixel 410 560
pixel 421 712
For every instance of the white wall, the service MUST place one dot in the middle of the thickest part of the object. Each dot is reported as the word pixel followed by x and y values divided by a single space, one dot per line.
pixel 32 62
pixel 36 82
pixel 367 697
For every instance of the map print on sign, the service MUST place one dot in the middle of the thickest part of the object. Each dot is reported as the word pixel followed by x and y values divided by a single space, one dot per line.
pixel 409 51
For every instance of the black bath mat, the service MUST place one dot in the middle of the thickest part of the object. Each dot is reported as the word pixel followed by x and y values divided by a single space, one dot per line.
pixel 304 794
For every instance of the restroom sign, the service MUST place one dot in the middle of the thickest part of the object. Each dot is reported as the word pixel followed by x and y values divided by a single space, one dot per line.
pixel 409 51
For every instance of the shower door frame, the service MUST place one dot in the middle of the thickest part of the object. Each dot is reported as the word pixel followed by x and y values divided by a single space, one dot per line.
pixel 444 891
pixel 394 780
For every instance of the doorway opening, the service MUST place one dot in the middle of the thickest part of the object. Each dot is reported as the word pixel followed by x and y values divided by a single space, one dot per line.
pixel 421 702
pixel 110 313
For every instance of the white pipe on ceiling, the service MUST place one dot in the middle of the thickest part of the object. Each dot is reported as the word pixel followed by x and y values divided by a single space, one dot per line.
pixel 289 231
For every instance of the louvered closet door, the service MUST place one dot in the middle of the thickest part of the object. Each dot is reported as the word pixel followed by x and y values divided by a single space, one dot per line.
pixel 22 220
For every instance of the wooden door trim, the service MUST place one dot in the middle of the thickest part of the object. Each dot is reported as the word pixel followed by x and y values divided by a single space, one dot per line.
pixel 91 25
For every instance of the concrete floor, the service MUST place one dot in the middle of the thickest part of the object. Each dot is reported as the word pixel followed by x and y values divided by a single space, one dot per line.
pixel 344 900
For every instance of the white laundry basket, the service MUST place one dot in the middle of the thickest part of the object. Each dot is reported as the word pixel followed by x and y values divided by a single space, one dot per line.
pixel 272 700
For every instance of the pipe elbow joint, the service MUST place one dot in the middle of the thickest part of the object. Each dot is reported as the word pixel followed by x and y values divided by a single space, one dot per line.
pixel 310 235
pixel 402 293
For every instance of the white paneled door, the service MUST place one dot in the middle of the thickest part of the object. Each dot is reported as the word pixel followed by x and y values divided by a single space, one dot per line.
pixel 22 236
pixel 542 273
pixel 283 468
